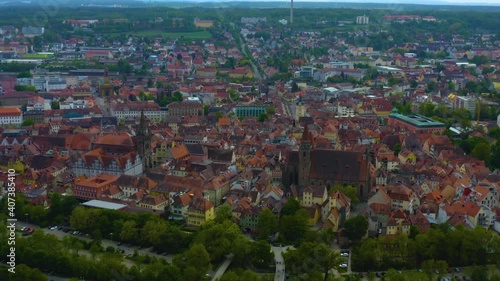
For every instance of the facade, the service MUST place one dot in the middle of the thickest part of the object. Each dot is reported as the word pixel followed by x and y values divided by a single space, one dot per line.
pixel 200 210
pixel 468 103
pixel 31 31
pixel 10 116
pixel 93 188
pixel 362 20
pixel 185 108
pixel 98 161
pixel 249 110
pixel 143 144
pixel 132 109
pixel 415 123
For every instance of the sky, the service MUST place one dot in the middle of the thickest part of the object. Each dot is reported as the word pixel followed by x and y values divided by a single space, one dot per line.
pixel 423 2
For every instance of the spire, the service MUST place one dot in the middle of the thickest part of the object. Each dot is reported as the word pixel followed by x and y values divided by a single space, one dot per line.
pixel 306 135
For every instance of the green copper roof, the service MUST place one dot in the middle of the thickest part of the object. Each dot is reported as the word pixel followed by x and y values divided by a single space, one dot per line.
pixel 417 120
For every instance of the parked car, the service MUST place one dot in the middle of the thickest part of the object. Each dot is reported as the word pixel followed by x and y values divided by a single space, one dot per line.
pixel 23 228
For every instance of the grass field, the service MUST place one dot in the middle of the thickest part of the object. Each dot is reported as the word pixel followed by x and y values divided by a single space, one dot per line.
pixel 188 35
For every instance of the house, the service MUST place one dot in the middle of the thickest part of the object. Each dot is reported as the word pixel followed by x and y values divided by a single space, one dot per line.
pixel 200 210
pixel 407 157
pixel 402 197
pixel 421 221
pixel 314 212
pixel 179 206
pixel 314 194
pixel 398 223
pixel 154 202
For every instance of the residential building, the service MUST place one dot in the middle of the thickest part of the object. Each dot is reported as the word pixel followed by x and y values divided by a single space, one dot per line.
pixel 185 108
pixel 10 116
pixel 362 20
pixel 200 210
pixel 92 188
pixel 32 31
pixel 132 109
pixel 468 103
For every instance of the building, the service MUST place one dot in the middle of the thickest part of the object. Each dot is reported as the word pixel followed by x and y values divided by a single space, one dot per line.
pixel 300 109
pixel 415 123
pixel 362 20
pixel 106 88
pixel 143 144
pixel 249 110
pixel 200 210
pixel 98 161
pixel 32 31
pixel 203 23
pixel 133 109
pixel 310 165
pixel 11 116
pixel 185 108
pixel 253 20
pixel 92 188
pixel 468 103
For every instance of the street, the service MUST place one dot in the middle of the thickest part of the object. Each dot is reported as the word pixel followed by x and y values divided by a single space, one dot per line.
pixel 223 267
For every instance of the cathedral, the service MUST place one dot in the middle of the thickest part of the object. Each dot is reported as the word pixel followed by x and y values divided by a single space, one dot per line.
pixel 309 166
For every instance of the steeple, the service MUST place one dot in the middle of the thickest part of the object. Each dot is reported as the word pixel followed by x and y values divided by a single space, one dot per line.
pixel 306 135
pixel 144 143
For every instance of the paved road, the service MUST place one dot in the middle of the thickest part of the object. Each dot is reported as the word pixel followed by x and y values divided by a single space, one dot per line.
pixel 256 71
pixel 280 264
pixel 223 267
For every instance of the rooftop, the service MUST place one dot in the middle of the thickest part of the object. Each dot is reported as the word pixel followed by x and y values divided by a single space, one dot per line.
pixel 104 205
pixel 416 119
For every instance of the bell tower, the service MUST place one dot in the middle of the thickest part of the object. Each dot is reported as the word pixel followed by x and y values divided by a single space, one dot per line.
pixel 144 144
pixel 305 151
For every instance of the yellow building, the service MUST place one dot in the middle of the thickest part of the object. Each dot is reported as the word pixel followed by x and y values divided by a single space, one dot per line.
pixel 16 164
pixel 314 214
pixel 406 156
pixel 398 223
pixel 314 194
pixel 203 23
pixel 200 211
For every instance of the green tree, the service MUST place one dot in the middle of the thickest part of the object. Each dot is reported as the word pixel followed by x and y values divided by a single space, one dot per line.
pixel 482 151
pixel 130 232
pixel 291 207
pixel 223 213
pixel 266 224
pixel 54 105
pixel 356 227
pixel 194 262
pixel 263 117
pixel 294 227
pixel 260 254
pixel 479 274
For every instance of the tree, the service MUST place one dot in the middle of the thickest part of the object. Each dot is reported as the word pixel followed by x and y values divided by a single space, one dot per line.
pixel 28 122
pixel 54 105
pixel 223 212
pixel 311 260
pixel 260 254
pixel 266 224
pixel 130 232
pixel 196 258
pixel 432 267
pixel 397 148
pixel 270 110
pixel 294 227
pixel 356 227
pixel 479 274
pixel 295 87
pixel 482 151
pixel 25 88
pixel 291 207
pixel 263 117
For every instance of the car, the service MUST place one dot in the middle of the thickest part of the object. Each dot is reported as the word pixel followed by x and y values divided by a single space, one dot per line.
pixel 31 230
pixel 53 228
pixel 343 265
pixel 27 229
pixel 420 270
pixel 437 271
pixel 379 274
pixel 23 228
pixel 457 269
pixel 60 228
pixel 26 234
pixel 457 277
pixel 119 244
pixel 344 254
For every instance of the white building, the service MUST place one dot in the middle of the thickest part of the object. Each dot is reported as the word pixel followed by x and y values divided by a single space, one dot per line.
pixel 345 111
pixel 96 162
pixel 133 109
pixel 362 20
pixel 468 103
pixel 10 116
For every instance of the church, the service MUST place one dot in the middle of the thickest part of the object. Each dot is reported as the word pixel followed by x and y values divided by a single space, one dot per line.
pixel 311 166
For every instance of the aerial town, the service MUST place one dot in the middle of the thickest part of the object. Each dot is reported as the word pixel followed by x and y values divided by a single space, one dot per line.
pixel 194 145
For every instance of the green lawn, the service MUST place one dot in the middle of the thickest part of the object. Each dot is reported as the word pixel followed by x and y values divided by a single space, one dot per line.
pixel 189 35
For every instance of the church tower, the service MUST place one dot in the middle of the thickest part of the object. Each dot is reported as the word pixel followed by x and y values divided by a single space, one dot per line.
pixel 305 151
pixel 144 144
pixel 300 109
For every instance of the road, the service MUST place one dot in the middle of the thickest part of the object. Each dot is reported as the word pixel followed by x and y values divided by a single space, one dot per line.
pixel 280 262
pixel 256 71
pixel 101 103
pixel 223 267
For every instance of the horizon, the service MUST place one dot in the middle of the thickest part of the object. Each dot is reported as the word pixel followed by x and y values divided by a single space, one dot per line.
pixel 390 2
